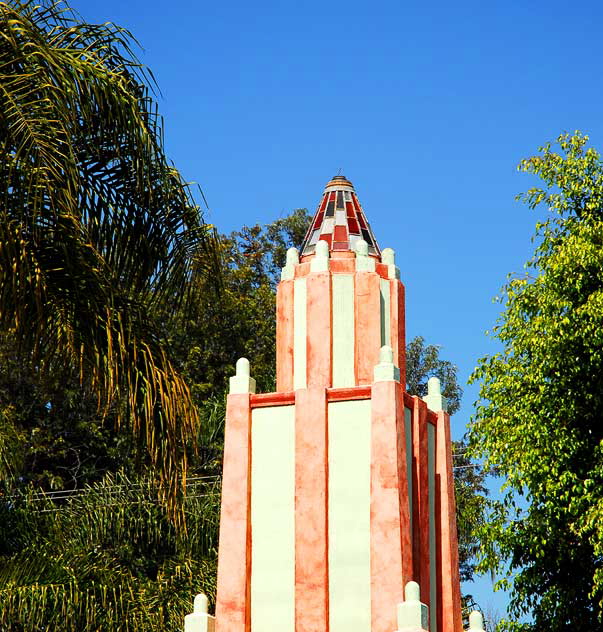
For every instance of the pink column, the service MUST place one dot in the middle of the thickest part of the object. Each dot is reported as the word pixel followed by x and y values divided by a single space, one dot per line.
pixel 367 303
pixel 391 545
pixel 234 561
pixel 449 612
pixel 319 320
pixel 311 529
pixel 284 336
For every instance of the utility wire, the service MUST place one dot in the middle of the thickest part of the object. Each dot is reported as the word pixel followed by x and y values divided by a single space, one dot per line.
pixel 68 494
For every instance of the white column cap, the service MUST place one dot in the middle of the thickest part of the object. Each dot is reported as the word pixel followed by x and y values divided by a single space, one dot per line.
pixel 199 620
pixel 434 399
pixel 386 370
pixel 388 258
pixel 364 263
pixel 320 260
pixel 476 622
pixel 241 382
pixel 288 272
pixel 412 614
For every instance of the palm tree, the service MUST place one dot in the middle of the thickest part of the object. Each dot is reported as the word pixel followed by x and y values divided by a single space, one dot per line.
pixel 106 557
pixel 97 230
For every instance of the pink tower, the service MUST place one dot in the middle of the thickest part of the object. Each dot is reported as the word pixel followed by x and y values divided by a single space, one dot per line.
pixel 337 488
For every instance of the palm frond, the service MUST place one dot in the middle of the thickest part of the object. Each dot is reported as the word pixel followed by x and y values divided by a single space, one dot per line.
pixel 97 229
pixel 108 558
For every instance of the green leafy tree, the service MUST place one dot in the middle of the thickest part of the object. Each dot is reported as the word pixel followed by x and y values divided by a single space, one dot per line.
pixel 53 431
pixel 538 419
pixel 422 362
pixel 97 229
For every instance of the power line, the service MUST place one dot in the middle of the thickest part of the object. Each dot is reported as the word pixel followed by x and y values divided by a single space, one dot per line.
pixel 113 489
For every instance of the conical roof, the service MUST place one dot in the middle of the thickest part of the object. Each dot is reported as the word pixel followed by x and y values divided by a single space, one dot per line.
pixel 339 220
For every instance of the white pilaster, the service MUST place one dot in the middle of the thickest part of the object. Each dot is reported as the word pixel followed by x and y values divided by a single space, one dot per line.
pixel 343 330
pixel 300 332
pixel 273 519
pixel 349 430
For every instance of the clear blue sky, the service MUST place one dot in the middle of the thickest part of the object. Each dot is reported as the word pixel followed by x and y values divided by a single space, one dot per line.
pixel 426 106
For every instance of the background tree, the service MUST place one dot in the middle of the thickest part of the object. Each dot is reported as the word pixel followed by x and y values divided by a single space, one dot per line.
pixel 211 337
pixel 422 362
pixel 541 399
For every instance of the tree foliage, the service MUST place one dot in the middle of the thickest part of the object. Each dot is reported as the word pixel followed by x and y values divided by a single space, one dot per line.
pixel 97 229
pixel 538 419
pixel 422 362
pixel 240 321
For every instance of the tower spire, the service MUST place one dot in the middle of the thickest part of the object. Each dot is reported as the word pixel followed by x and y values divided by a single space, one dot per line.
pixel 339 220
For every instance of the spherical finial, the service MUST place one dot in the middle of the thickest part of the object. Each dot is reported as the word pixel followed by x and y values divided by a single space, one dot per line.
pixel 433 386
pixel 362 248
pixel 292 257
pixel 242 367
pixel 200 604
pixel 412 592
